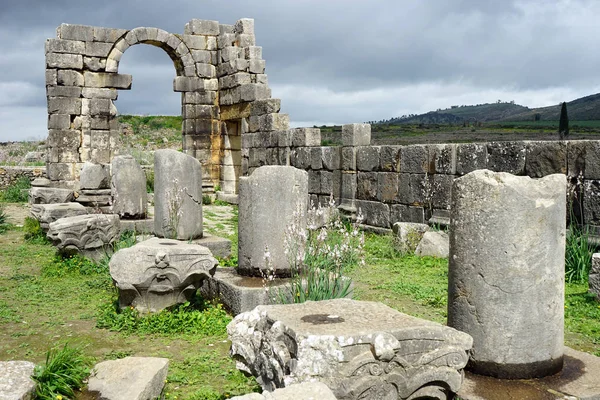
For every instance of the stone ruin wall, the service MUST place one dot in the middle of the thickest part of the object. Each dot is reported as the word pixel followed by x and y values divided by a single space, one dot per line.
pixel 413 183
pixel 219 73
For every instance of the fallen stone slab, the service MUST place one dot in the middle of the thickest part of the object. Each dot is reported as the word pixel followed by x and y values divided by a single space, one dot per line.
pixel 46 195
pixel 218 246
pixel 94 176
pixel 359 349
pixel 299 391
pixel 579 379
pixel 15 380
pixel 434 244
pixel 89 234
pixel 158 273
pixel 48 213
pixel 130 378
pixel 409 235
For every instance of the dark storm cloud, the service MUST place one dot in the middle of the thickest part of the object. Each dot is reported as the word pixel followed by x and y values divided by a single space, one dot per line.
pixel 332 61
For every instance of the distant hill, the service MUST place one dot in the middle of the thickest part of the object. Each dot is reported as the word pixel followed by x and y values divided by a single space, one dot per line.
pixel 583 109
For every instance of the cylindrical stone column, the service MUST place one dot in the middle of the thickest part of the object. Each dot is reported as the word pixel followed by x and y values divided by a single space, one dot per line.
pixel 506 272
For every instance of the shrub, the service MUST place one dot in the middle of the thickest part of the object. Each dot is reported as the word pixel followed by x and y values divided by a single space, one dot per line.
pixel 16 192
pixel 563 123
pixel 578 255
pixel 150 181
pixel 33 231
pixel 64 371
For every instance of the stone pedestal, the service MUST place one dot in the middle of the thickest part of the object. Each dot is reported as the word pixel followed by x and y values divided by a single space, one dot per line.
pixel 158 273
pixel 128 185
pixel 360 350
pixel 506 272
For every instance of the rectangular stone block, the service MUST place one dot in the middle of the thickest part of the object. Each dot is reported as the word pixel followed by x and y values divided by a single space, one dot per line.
pixel 230 53
pixel 284 155
pixel 256 66
pixel 441 193
pixel 326 182
pixel 64 61
pixel 94 64
pixel 211 43
pixel 64 91
pixel 237 79
pixel 584 157
pixel 367 158
pixel 470 157
pixel 412 189
pixel 100 122
pixel 65 46
pixel 51 77
pixel 348 159
pixel 194 42
pixel 506 157
pixel 300 157
pixel 225 40
pixel 69 77
pixel 265 106
pixel 316 158
pixel 253 53
pixel 254 91
pixel 244 26
pixel 60 171
pixel 349 185
pixel 375 213
pixel 545 158
pixel 64 139
pixel 245 40
pixel 387 187
pixel 314 182
pixel 284 138
pixel 97 49
pixel 367 186
pixel 99 93
pixel 306 137
pixel 75 32
pixel 59 121
pixel 100 107
pixel 100 139
pixel 405 213
pixel 107 80
pixel 201 56
pixel 356 135
pixel 268 123
pixel 201 27
pixel 331 158
pixel 389 157
pixel 64 105
pixel 187 84
pixel 442 159
pixel 414 159
pixel 108 35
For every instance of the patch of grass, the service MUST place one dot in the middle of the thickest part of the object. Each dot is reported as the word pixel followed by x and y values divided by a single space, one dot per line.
pixel 4 225
pixel 16 192
pixel 206 200
pixel 150 181
pixel 582 313
pixel 33 231
pixel 578 255
pixel 62 374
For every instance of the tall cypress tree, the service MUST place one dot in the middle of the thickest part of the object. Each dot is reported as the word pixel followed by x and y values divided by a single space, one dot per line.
pixel 563 124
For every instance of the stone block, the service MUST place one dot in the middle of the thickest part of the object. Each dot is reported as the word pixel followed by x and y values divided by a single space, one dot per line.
pixel 89 235
pixel 177 195
pixel 331 158
pixel 387 187
pixel 412 189
pixel 59 121
pixel 158 273
pixel 99 93
pixel 374 213
pixel 268 200
pixel 253 53
pixel 594 277
pixel 408 235
pixel 591 202
pixel 128 185
pixel 584 157
pixel 545 158
pixel 334 341
pixel 65 46
pixel 59 172
pixel 51 77
pixel 201 56
pixel 64 91
pixel 95 64
pixel 15 380
pixel 348 159
pixel 47 213
pixel 97 49
pixel 305 137
pixel 506 157
pixel 326 183
pixel 64 139
pixel 441 191
pixel 265 106
pixel 300 157
pixel 188 84
pixel 348 188
pixel 100 107
pixel 107 80
pixel 254 91
pixel 389 157
pixel 244 26
pixel 434 244
pixel 314 182
pixel 268 123
pixel 442 159
pixel 316 158
pixel 64 105
pixel 470 157
pixel 202 27
pixel 195 42
pixel 406 213
pixel 298 391
pixel 133 378
pixel 367 186
pixel 108 35
pixel 64 61
pixel 75 32
pixel 284 138
pixel 367 158
pixel 414 159
pixel 256 66
pixel 506 272
pixel 94 176
pixel 356 135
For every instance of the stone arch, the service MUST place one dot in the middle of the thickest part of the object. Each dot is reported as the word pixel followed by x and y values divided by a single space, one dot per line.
pixel 176 48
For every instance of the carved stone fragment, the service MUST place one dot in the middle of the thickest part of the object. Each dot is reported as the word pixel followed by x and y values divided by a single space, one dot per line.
pixel 158 273
pixel 361 350
pixel 45 195
pixel 48 213
pixel 86 234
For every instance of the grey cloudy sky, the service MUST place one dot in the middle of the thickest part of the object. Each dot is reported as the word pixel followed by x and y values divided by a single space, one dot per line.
pixel 329 61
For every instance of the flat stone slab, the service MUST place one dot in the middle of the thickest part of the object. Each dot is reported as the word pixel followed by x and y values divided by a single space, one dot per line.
pixel 299 391
pixel 130 378
pixel 237 293
pixel 218 246
pixel 141 226
pixel 158 273
pixel 579 379
pixel 48 213
pixel 359 349
pixel 15 380
pixel 46 195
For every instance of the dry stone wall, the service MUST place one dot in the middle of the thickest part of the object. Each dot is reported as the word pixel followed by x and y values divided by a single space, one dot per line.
pixel 413 183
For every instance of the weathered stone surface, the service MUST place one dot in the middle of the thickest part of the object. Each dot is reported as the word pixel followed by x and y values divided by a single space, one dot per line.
pixel 94 176
pixel 545 158
pixel 375 213
pixel 506 271
pixel 158 273
pixel 356 135
pixel 15 380
pixel 409 235
pixel 41 182
pixel 390 158
pixel 594 280
pixel 299 391
pixel 45 195
pixel 506 157
pixel 442 158
pixel 367 158
pixel 268 200
pixel 177 195
pixel 128 184
pixel 360 350
pixel 584 158
pixel 414 159
pixel 591 202
pixel 434 244
pixel 87 234
pixel 48 213
pixel 129 378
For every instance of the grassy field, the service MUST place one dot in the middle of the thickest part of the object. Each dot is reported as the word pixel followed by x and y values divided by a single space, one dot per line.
pixel 47 301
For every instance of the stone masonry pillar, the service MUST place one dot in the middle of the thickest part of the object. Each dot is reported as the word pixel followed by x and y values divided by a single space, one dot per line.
pixel 506 272
pixel 353 135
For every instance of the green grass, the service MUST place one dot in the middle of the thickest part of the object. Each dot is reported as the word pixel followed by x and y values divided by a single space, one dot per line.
pixel 16 192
